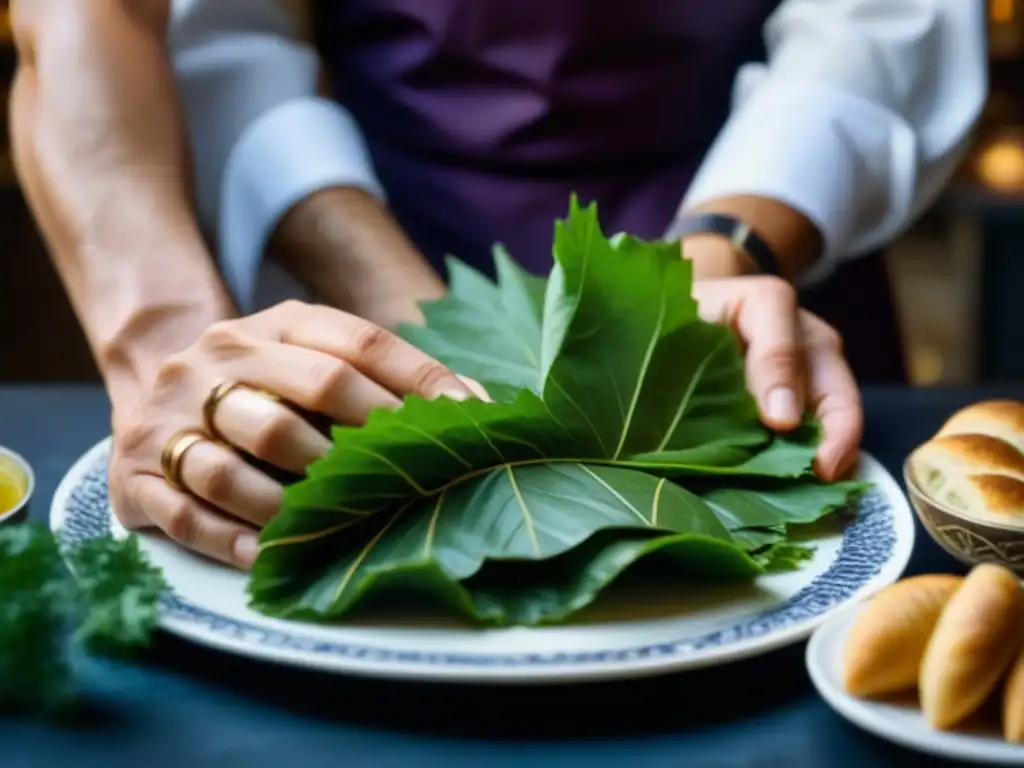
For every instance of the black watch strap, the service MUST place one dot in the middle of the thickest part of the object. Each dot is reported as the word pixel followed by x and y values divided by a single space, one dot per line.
pixel 735 231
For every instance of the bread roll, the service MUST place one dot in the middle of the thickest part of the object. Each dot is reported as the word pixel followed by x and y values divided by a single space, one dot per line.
pixel 976 638
pixel 1013 703
pixel 979 476
pixel 1003 419
pixel 886 645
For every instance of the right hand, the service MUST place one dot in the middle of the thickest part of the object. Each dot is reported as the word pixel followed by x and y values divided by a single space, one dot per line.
pixel 319 359
pixel 794 362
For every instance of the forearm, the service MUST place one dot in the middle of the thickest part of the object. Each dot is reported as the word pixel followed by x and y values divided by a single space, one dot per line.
pixel 283 172
pixel 794 239
pixel 343 242
pixel 101 153
pixel 825 146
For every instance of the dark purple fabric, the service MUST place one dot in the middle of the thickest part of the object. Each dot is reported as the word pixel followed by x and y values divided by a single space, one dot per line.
pixel 482 116
pixel 858 301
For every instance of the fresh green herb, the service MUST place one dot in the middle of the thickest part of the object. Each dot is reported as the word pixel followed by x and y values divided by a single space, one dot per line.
pixel 119 594
pixel 109 605
pixel 622 430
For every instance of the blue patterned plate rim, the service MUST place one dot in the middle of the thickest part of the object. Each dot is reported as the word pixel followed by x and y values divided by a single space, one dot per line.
pixel 874 552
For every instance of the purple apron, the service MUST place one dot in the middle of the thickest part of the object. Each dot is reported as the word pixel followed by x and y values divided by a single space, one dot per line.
pixel 482 116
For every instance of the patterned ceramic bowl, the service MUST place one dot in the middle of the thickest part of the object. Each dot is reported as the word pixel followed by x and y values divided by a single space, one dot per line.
pixel 969 541
pixel 18 483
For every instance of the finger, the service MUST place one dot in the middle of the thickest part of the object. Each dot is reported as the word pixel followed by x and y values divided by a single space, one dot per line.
pixel 191 523
pixel 835 398
pixel 476 388
pixel 767 322
pixel 314 381
pixel 218 475
pixel 717 298
pixel 383 356
pixel 268 430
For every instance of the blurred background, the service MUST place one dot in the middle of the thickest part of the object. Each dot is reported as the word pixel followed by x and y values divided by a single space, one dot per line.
pixel 959 272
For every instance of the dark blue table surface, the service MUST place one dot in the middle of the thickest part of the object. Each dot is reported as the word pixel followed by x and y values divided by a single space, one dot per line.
pixel 188 707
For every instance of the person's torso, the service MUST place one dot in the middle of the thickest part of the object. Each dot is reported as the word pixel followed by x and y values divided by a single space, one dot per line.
pixel 482 116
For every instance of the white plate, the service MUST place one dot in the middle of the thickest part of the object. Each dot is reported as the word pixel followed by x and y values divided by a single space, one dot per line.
pixel 899 721
pixel 623 636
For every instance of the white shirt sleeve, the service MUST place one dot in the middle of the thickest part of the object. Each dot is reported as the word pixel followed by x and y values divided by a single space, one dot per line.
pixel 275 141
pixel 858 118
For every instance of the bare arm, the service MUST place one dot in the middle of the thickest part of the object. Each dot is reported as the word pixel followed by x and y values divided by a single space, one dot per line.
pixel 282 171
pixel 101 152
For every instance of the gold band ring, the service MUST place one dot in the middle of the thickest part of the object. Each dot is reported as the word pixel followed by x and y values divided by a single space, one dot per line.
pixel 213 400
pixel 217 393
pixel 173 455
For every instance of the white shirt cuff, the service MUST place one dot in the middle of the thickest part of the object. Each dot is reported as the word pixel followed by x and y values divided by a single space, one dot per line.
pixel 293 150
pixel 811 148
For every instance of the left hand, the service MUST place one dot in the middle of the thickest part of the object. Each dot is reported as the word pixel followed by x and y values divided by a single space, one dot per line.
pixel 794 362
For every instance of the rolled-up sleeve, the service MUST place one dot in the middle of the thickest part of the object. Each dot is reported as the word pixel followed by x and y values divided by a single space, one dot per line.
pixel 262 138
pixel 857 119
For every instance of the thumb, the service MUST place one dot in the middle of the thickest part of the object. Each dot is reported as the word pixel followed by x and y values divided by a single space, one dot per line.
pixel 768 323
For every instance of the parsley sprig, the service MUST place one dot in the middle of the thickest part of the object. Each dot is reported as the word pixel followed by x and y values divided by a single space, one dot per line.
pixel 106 603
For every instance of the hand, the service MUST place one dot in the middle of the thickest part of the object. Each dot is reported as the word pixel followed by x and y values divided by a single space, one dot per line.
pixel 794 362
pixel 322 360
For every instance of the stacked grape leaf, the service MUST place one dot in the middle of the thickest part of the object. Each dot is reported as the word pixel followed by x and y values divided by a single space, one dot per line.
pixel 621 427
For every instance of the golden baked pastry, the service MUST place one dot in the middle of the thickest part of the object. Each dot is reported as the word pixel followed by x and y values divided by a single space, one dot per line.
pixel 976 639
pixel 1013 703
pixel 886 644
pixel 1003 419
pixel 975 463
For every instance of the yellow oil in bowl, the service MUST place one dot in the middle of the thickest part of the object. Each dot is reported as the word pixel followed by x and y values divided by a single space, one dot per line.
pixel 13 484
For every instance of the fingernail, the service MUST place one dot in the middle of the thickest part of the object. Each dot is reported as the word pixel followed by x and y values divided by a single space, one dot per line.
pixel 247 547
pixel 456 393
pixel 476 388
pixel 782 405
pixel 456 388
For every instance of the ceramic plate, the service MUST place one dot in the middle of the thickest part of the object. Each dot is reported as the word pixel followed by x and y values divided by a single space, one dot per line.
pixel 626 634
pixel 900 720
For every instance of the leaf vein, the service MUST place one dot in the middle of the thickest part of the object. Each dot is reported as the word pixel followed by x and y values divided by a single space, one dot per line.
pixel 657 500
pixel 428 545
pixel 397 469
pixel 582 412
pixel 527 517
pixel 440 443
pixel 622 499
pixel 688 395
pixel 482 432
pixel 343 585
pixel 642 375
pixel 303 538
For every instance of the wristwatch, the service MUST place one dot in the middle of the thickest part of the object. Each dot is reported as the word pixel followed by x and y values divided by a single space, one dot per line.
pixel 737 232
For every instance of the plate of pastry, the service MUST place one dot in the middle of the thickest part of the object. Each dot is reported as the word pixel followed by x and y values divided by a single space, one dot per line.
pixel 934 663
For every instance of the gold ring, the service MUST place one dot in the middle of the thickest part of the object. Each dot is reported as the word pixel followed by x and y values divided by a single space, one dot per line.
pixel 217 393
pixel 213 400
pixel 173 455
